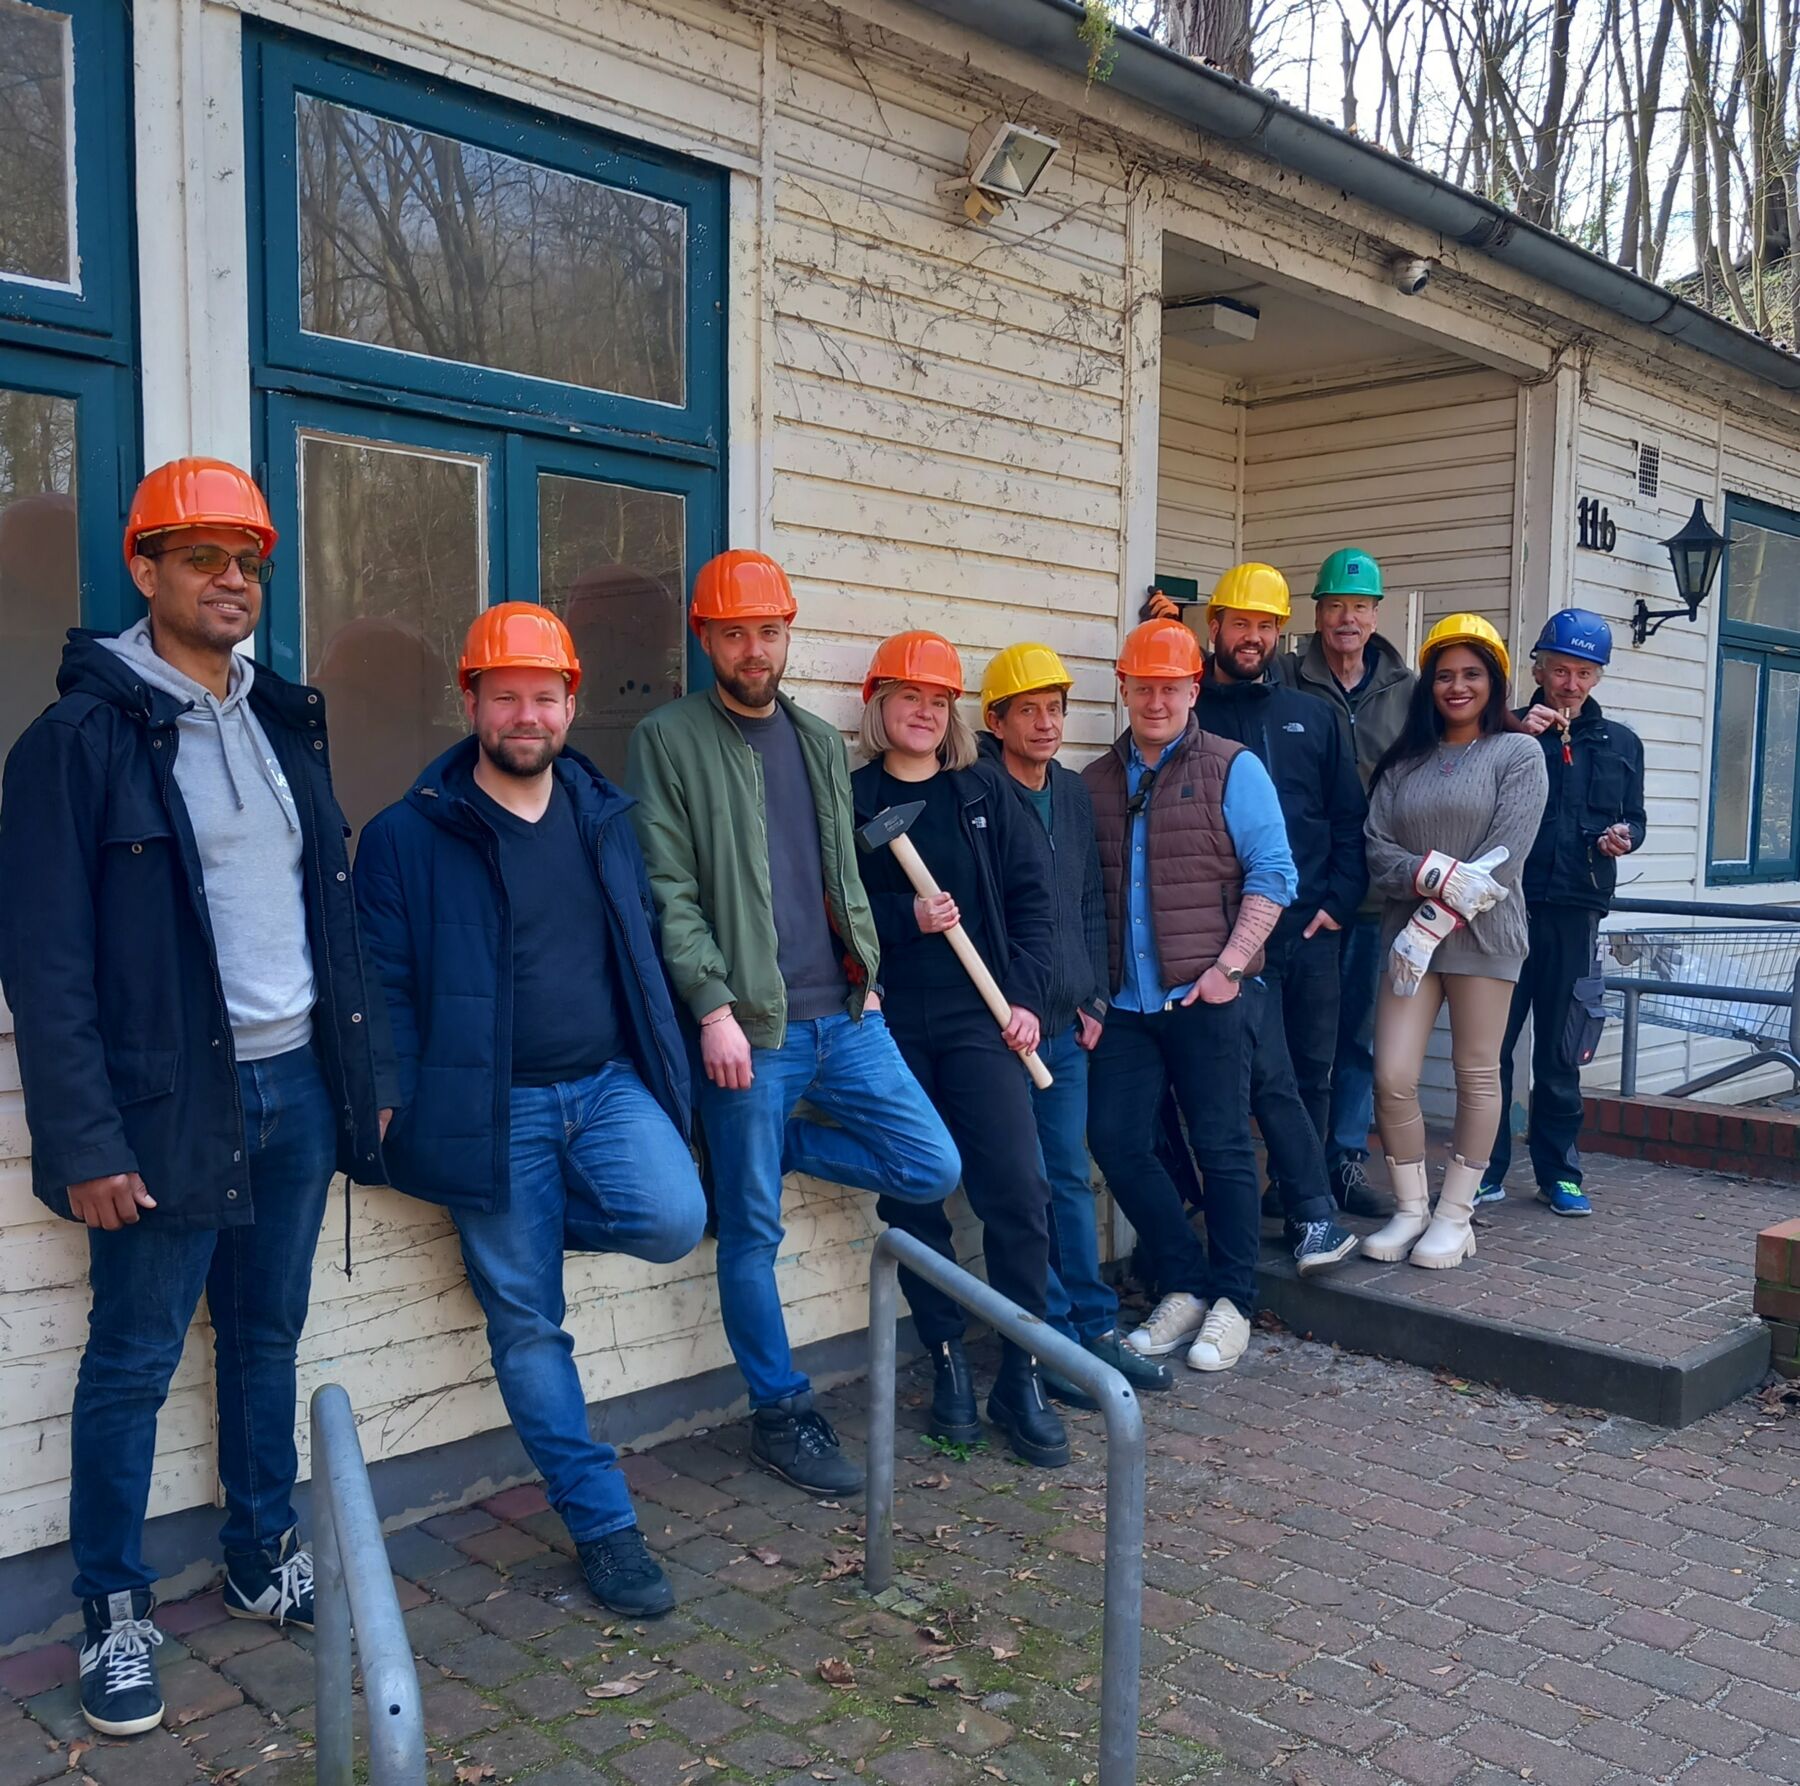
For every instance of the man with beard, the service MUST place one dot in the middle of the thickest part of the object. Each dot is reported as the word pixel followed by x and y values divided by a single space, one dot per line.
pixel 544 1094
pixel 1296 1007
pixel 745 816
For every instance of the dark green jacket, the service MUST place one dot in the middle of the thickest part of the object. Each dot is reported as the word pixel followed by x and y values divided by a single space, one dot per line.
pixel 701 819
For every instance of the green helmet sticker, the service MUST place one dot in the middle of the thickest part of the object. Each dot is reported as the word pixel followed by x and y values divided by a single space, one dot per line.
pixel 1348 571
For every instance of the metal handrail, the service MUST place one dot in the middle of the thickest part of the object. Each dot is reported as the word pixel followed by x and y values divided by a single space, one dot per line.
pixel 353 1587
pixel 1122 1630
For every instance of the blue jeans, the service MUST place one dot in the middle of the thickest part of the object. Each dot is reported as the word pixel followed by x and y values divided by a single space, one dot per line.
pixel 1353 1072
pixel 605 1145
pixel 1082 1303
pixel 890 1141
pixel 147 1281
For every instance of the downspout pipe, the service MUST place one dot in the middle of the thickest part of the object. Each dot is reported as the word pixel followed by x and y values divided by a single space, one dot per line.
pixel 1207 100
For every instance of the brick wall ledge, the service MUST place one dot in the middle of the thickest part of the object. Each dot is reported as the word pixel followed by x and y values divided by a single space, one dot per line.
pixel 1702 1137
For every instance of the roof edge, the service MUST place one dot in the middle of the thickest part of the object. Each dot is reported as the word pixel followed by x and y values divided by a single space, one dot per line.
pixel 1208 100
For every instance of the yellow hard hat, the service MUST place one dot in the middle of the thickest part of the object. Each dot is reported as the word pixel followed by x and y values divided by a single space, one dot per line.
pixel 1466 629
pixel 1253 588
pixel 1019 669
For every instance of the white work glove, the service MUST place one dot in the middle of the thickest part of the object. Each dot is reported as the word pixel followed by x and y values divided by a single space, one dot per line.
pixel 1418 942
pixel 1468 888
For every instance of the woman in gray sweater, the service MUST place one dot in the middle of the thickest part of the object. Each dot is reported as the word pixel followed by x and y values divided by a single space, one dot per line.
pixel 1453 809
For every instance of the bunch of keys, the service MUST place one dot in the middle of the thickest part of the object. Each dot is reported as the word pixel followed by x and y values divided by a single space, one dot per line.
pixel 1562 722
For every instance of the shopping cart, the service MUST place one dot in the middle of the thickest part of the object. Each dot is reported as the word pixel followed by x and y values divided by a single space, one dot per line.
pixel 1737 982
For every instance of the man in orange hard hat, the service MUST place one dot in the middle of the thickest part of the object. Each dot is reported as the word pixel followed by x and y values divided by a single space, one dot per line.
pixel 544 1085
pixel 200 1044
pixel 745 814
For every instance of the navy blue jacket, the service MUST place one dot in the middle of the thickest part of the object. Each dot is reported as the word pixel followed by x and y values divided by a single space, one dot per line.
pixel 1301 742
pixel 107 958
pixel 1078 966
pixel 1602 786
pixel 1012 869
pixel 433 906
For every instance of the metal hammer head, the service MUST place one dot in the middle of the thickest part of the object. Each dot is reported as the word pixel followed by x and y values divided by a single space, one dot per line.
pixel 885 826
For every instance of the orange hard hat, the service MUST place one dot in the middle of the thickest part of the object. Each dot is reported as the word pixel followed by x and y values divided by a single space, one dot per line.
pixel 742 586
pixel 1160 651
pixel 198 493
pixel 915 657
pixel 518 636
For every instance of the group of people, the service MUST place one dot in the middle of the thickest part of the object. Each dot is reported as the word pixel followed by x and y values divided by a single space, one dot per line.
pixel 533 991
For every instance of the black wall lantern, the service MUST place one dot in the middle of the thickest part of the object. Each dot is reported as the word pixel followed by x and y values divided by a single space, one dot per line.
pixel 1695 553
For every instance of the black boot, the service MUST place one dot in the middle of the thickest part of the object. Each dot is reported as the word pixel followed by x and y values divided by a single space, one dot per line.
pixel 954 1417
pixel 795 1441
pixel 1018 1406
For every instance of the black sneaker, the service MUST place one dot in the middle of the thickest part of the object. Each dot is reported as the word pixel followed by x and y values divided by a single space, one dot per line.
pixel 624 1576
pixel 1355 1195
pixel 1140 1372
pixel 794 1440
pixel 1320 1245
pixel 275 1587
pixel 1060 1389
pixel 119 1691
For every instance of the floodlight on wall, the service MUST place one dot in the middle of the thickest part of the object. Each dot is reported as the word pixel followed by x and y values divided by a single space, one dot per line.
pixel 1695 554
pixel 1005 162
pixel 1210 322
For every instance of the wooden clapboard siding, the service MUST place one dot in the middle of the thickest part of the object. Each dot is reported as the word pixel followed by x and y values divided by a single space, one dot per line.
pixel 1198 470
pixel 1416 466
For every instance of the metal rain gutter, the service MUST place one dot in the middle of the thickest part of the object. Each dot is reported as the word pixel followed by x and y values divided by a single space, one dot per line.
pixel 1207 100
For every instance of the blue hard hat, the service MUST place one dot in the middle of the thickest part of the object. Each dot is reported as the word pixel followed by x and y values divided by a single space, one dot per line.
pixel 1576 632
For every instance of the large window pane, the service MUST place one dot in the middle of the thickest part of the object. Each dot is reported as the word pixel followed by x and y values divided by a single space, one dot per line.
pixel 611 562
pixel 40 579
pixel 36 144
pixel 1735 762
pixel 1781 737
pixel 393 570
pixel 416 241
pixel 1762 576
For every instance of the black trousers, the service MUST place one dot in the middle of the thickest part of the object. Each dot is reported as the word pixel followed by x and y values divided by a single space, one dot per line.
pixel 1203 1052
pixel 978 1086
pixel 1294 1014
pixel 1563 939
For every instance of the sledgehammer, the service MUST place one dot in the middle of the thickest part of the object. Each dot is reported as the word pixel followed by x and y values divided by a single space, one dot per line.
pixel 887 830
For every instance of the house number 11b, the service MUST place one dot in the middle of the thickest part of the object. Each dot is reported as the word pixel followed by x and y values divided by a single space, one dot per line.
pixel 1597 530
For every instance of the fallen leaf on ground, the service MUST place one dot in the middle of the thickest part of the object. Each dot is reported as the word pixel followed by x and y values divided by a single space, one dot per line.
pixel 621 1688
pixel 834 1671
pixel 768 1558
pixel 940 1480
pixel 1001 1652
pixel 1448 1668
pixel 472 1773
pixel 943 1683
pixel 77 1749
pixel 841 1563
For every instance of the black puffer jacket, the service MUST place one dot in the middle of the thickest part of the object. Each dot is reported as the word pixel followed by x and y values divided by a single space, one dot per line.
pixel 1078 951
pixel 1601 785
pixel 106 949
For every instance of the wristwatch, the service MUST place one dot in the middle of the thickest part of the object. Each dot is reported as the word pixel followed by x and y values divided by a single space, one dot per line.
pixel 1233 974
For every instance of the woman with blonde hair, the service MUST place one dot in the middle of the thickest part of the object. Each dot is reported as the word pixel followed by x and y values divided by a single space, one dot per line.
pixel 991 861
pixel 1453 809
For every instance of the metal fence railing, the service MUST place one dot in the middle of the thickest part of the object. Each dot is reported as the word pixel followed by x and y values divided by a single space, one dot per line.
pixel 1122 1630
pixel 1737 981
pixel 353 1592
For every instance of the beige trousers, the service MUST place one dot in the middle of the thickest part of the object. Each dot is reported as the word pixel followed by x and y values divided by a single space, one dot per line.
pixel 1478 1008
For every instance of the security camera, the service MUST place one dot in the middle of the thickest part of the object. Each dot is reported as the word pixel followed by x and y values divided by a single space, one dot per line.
pixel 1410 276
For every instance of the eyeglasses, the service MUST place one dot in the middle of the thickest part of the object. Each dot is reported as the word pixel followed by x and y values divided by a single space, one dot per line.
pixel 211 561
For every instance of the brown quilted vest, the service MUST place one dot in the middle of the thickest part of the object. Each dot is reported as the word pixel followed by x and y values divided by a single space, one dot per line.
pixel 1196 880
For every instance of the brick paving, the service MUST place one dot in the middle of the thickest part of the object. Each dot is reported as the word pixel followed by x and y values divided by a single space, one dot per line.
pixel 1356 1571
pixel 1663 1266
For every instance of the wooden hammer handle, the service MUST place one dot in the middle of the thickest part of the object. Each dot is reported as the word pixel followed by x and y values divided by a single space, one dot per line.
pixel 913 866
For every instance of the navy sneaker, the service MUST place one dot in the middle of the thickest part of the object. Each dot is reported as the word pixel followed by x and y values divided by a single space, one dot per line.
pixel 1566 1197
pixel 1320 1245
pixel 624 1576
pixel 1490 1193
pixel 119 1691
pixel 275 1587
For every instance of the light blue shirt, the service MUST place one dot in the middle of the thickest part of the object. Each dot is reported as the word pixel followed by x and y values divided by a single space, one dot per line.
pixel 1258 834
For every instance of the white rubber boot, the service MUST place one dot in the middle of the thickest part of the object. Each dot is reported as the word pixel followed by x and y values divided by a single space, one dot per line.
pixel 1450 1239
pixel 1412 1214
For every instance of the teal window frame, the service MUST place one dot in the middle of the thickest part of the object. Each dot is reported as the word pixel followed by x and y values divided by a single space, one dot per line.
pixel 1771 650
pixel 81 344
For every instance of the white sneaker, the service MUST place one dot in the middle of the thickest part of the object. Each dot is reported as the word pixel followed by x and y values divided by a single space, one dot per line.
pixel 1223 1337
pixel 1173 1322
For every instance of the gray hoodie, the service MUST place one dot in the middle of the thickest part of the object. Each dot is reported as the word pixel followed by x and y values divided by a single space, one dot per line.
pixel 248 832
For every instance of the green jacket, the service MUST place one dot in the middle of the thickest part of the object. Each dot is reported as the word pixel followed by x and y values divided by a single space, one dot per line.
pixel 1377 715
pixel 701 820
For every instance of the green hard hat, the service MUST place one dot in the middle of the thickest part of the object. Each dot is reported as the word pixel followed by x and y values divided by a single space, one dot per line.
pixel 1348 571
